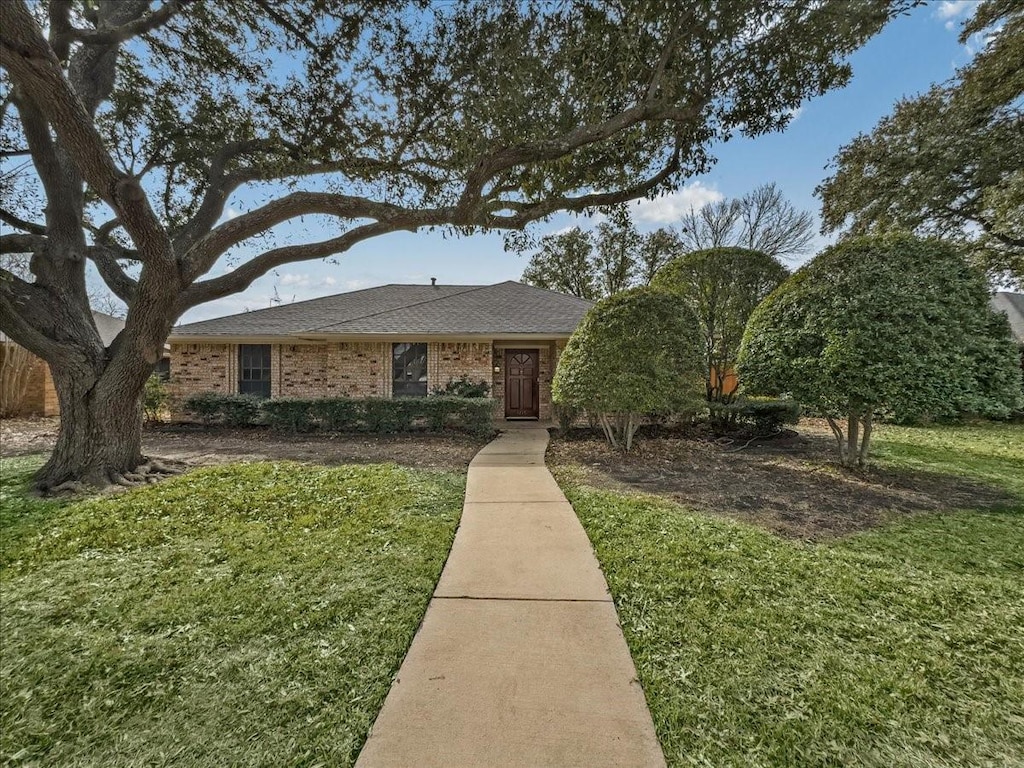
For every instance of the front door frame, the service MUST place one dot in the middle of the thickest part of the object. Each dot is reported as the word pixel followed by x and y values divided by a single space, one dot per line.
pixel 535 354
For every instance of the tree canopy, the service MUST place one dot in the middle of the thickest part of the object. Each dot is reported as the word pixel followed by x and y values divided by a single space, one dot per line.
pixel 612 257
pixel 635 353
pixel 721 287
pixel 889 325
pixel 128 127
pixel 949 162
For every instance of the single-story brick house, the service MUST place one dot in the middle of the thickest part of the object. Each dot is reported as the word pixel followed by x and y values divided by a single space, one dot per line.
pixel 389 341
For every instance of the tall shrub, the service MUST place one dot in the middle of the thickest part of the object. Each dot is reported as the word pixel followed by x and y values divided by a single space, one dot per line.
pixel 634 353
pixel 722 287
pixel 888 325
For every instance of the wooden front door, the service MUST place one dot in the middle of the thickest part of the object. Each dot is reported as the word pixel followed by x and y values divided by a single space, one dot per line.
pixel 521 391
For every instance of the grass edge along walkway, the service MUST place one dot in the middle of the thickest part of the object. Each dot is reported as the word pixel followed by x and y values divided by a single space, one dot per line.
pixel 899 646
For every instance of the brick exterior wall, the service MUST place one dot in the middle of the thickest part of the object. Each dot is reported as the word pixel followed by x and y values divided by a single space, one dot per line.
pixel 331 370
pixel 451 360
pixel 352 369
pixel 199 368
pixel 40 397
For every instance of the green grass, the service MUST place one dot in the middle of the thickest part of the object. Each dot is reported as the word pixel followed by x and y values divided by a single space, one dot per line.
pixel 240 615
pixel 903 646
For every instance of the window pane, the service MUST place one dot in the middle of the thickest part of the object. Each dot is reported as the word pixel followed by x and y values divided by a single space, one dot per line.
pixel 254 369
pixel 409 370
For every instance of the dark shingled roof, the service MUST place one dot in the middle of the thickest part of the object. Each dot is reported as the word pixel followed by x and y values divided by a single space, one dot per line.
pixel 107 325
pixel 504 308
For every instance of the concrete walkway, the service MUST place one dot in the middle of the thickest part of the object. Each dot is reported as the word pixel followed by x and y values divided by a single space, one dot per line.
pixel 520 660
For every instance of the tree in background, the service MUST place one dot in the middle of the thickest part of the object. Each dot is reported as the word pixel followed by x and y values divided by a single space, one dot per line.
pixel 950 162
pixel 140 120
pixel 886 325
pixel 635 353
pixel 563 262
pixel 762 220
pixel 721 287
pixel 616 249
pixel 615 256
pixel 593 264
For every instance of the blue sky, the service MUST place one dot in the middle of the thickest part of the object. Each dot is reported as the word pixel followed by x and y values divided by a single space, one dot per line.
pixel 911 54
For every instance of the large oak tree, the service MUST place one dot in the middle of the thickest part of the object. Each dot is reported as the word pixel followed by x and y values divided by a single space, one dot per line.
pixel 949 162
pixel 140 120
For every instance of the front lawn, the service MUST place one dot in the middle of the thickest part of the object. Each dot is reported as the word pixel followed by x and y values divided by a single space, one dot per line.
pixel 251 614
pixel 900 646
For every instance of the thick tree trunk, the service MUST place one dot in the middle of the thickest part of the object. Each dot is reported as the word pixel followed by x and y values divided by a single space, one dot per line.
pixel 100 437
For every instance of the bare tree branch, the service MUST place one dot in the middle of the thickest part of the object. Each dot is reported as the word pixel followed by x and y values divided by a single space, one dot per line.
pixel 242 277
pixel 105 258
pixel 11 220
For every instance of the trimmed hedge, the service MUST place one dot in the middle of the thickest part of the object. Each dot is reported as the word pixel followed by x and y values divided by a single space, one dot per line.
pixel 229 410
pixel 342 414
pixel 764 416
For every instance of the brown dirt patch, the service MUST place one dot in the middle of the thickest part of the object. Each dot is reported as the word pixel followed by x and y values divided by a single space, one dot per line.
pixel 27 435
pixel 790 485
pixel 199 446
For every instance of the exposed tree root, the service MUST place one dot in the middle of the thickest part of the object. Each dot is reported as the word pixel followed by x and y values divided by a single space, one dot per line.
pixel 69 487
pixel 150 471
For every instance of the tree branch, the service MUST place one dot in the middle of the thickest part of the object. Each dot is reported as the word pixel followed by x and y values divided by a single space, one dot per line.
pixel 105 258
pixel 124 32
pixel 242 277
pixel 11 220
pixel 203 255
pixel 34 68
pixel 21 243
pixel 491 164
pixel 528 212
pixel 19 300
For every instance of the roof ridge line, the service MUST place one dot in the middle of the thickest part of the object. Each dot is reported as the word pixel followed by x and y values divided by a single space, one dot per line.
pixel 469 289
pixel 292 303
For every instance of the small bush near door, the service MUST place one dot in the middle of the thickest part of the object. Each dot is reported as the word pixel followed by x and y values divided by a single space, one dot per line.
pixel 463 387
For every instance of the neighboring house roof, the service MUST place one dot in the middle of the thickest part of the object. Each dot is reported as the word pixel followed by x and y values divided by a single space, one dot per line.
pixel 508 308
pixel 107 325
pixel 1012 304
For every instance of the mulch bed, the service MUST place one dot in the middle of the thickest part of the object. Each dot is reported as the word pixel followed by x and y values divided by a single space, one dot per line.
pixel 790 485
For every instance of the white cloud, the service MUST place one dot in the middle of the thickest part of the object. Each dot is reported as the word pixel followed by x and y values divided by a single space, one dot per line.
pixel 951 9
pixel 671 207
pixel 305 280
pixel 292 280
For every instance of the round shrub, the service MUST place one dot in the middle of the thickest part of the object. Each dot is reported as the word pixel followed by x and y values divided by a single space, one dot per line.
pixel 634 353
pixel 890 325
